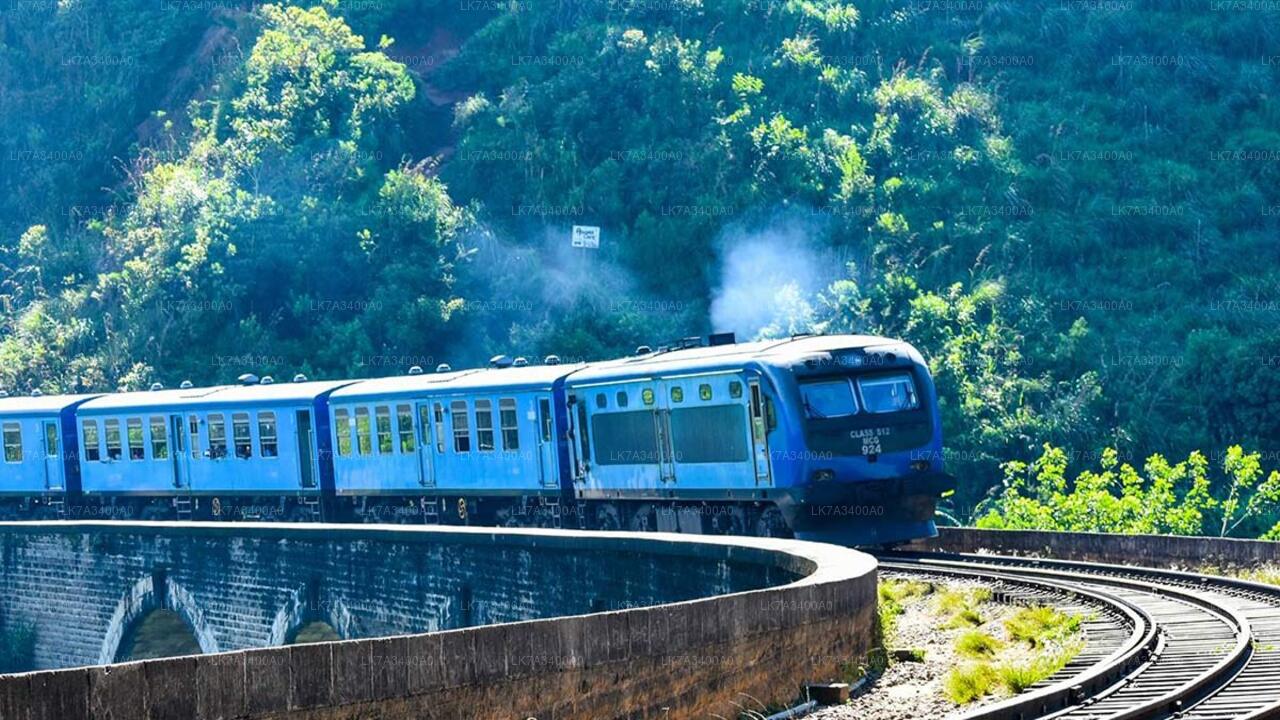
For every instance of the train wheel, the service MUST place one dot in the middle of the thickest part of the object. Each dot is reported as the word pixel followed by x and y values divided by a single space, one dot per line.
pixel 728 521
pixel 771 524
pixel 607 518
pixel 643 520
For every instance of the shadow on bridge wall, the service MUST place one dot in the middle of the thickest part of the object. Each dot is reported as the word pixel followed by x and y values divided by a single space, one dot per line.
pixel 590 625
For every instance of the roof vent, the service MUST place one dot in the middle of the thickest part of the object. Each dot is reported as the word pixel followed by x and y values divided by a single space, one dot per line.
pixel 724 338
pixel 156 386
pixel 500 361
pixel 443 367
pixel 299 378
pixel 521 362
pixel 247 379
pixel 4 393
pixel 644 350
pixel 186 385
pixel 415 370
pixel 268 380
pixel 37 393
pixel 551 360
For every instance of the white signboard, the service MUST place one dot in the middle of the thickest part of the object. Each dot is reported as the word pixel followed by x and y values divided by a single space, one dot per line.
pixel 586 236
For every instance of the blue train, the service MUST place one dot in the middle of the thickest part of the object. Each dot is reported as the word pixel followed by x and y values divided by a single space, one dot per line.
pixel 834 438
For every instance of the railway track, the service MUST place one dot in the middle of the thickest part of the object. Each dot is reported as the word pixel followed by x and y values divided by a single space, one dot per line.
pixel 1164 644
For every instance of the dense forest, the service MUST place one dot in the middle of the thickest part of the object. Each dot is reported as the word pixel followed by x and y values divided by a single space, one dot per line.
pixel 1071 208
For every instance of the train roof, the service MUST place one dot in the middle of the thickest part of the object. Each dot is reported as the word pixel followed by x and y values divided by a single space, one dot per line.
pixel 213 396
pixel 31 405
pixel 529 377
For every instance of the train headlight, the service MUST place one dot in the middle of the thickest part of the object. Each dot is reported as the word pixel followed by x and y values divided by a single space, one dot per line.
pixel 823 475
pixel 919 465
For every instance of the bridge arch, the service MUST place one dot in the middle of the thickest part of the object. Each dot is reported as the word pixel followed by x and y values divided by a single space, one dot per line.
pixel 309 603
pixel 156 591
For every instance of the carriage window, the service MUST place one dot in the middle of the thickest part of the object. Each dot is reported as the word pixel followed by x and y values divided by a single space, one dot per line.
pixel 888 393
pixel 544 416
pixel 159 438
pixel 461 431
pixel 240 432
pixel 364 444
pixel 735 389
pixel 601 401
pixel 484 425
pixel 268 441
pixel 704 391
pixel 137 450
pixel 439 429
pixel 382 414
pixel 89 430
pixel 828 398
pixel 584 442
pixel 625 438
pixel 51 440
pixel 217 436
pixel 112 431
pixel 510 426
pixel 621 398
pixel 710 434
pixel 404 419
pixel 12 442
pixel 677 394
pixel 646 395
pixel 342 427
pixel 193 423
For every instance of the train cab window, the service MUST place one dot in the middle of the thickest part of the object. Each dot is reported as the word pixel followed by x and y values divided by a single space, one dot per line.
pixel 484 425
pixel 193 425
pixel 621 397
pixel 111 429
pixel 241 434
pixel 342 428
pixel 268 439
pixel 159 438
pixel 888 393
pixel 507 420
pixel 217 436
pixel 12 442
pixel 51 440
pixel 704 392
pixel 601 401
pixel 461 429
pixel 828 398
pixel 439 427
pixel 735 389
pixel 89 431
pixel 404 423
pixel 137 449
pixel 544 418
pixel 364 443
pixel 382 418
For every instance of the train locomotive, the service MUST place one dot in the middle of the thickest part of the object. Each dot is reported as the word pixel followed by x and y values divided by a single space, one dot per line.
pixel 834 438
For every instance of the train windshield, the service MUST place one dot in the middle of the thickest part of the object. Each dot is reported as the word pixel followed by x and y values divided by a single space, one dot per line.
pixel 828 398
pixel 888 393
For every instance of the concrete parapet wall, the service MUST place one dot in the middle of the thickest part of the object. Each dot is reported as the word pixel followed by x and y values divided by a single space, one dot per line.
pixel 705 625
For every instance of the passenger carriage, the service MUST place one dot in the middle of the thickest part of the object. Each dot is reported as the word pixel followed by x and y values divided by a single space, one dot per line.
pixel 40 467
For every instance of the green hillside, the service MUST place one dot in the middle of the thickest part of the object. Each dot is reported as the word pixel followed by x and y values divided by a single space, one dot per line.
pixel 1070 207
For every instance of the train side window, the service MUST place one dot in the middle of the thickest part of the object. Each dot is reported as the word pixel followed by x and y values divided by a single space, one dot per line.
pixel 601 401
pixel 735 389
pixel 704 391
pixel 342 427
pixel 268 440
pixel 12 442
pixel 51 440
pixel 241 434
pixel 137 448
pixel 461 429
pixel 484 425
pixel 382 418
pixel 646 396
pixel 193 423
pixel 439 427
pixel 217 436
pixel 159 438
pixel 677 394
pixel 584 441
pixel 508 422
pixel 89 431
pixel 544 417
pixel 621 397
pixel 111 429
pixel 364 444
pixel 404 423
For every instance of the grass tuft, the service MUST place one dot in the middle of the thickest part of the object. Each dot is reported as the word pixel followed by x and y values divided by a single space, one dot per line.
pixel 1020 676
pixel 1040 625
pixel 969 682
pixel 977 644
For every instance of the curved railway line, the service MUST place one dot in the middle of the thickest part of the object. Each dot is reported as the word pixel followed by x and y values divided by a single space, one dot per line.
pixel 1159 643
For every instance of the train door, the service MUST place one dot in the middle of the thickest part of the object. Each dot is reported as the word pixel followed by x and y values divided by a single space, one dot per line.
pixel 546 444
pixel 669 393
pixel 759 410
pixel 179 457
pixel 426 446
pixel 53 466
pixel 306 449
